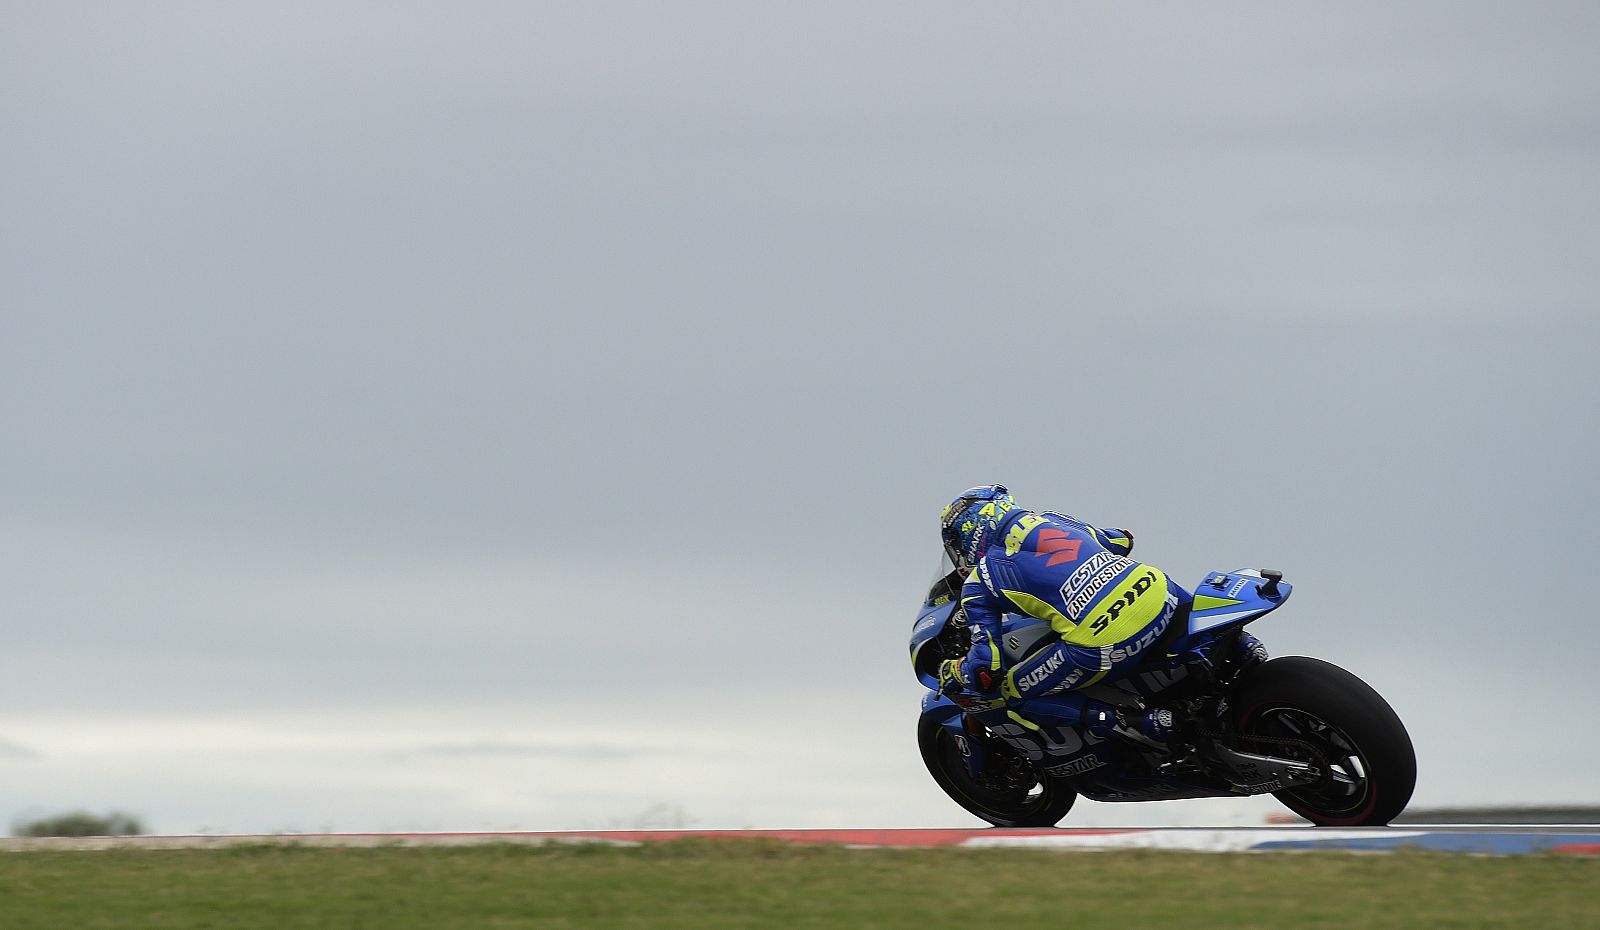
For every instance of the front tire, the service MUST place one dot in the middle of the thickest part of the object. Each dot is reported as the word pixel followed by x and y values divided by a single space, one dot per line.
pixel 1013 795
pixel 1371 767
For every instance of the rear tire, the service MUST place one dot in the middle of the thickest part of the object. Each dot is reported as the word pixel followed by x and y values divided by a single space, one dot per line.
pixel 1016 796
pixel 1372 765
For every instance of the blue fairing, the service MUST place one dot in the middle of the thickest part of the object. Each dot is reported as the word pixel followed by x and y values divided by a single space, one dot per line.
pixel 939 707
pixel 1225 601
pixel 930 623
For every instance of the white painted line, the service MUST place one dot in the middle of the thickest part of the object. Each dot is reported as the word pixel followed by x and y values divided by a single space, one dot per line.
pixel 1195 840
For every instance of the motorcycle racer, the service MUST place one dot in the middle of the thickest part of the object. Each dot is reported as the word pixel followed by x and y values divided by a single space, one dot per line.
pixel 1106 609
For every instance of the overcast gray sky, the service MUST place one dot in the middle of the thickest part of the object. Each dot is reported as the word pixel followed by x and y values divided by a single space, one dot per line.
pixel 516 415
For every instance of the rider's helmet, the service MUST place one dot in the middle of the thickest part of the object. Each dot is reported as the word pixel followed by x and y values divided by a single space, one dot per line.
pixel 969 525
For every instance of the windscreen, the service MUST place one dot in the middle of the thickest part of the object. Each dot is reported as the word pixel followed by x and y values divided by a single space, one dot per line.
pixel 946 582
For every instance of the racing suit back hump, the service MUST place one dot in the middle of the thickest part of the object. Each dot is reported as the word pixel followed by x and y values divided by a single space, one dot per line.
pixel 1106 607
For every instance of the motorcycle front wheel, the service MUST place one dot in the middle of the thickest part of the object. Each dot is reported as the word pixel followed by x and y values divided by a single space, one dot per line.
pixel 1369 766
pixel 1011 793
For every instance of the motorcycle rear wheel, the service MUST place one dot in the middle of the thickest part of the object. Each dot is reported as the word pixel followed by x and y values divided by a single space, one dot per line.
pixel 1372 767
pixel 1020 798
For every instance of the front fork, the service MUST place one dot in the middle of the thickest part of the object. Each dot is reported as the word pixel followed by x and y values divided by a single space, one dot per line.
pixel 966 732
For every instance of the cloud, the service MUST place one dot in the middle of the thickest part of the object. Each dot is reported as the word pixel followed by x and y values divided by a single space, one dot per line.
pixel 568 753
pixel 14 752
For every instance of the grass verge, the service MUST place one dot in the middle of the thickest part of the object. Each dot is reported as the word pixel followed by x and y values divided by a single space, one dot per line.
pixel 751 883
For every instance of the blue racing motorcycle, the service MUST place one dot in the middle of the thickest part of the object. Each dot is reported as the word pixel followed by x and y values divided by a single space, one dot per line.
pixel 1310 733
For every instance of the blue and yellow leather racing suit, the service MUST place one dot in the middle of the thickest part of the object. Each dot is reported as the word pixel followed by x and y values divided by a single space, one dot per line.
pixel 1107 608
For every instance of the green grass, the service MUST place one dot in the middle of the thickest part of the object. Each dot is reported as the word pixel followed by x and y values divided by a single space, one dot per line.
pixel 742 884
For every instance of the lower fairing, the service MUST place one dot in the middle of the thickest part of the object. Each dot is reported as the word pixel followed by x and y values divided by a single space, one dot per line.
pixel 1150 789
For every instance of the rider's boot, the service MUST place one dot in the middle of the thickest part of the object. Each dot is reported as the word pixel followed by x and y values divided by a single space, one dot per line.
pixel 1248 652
pixel 1150 729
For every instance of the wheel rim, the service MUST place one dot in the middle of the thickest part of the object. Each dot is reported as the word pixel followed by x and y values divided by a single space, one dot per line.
pixel 1015 793
pixel 1346 790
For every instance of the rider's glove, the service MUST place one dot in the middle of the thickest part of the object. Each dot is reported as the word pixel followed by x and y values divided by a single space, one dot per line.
pixel 950 678
pixel 1121 540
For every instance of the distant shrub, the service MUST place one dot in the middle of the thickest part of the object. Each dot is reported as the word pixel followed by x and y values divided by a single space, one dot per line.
pixel 81 823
